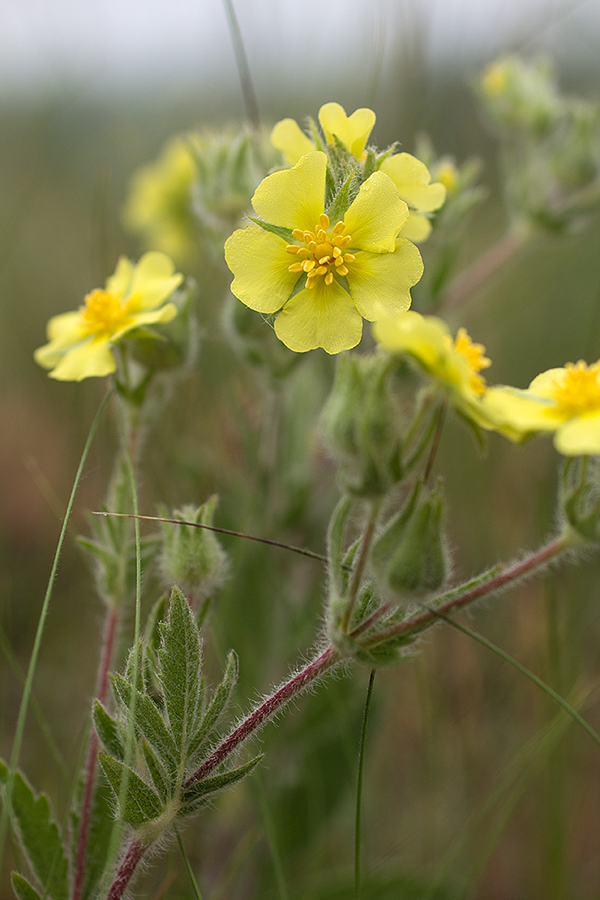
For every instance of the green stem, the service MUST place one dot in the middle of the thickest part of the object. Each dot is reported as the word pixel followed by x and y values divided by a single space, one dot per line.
pixel 359 785
pixel 14 759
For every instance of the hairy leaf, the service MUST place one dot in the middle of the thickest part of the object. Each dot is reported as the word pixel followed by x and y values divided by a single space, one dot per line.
pixel 218 703
pixel 148 722
pixel 197 794
pixel 108 731
pixel 22 888
pixel 141 804
pixel 180 658
pixel 39 837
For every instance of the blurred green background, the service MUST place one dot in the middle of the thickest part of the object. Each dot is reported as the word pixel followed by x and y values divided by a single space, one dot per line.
pixel 464 784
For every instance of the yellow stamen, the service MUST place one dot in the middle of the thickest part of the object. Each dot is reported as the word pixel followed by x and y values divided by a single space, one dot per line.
pixel 323 252
pixel 103 313
pixel 577 388
pixel 474 354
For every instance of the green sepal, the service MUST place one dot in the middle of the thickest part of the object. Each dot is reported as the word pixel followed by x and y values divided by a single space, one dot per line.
pixel 148 722
pixel 38 836
pixel 371 163
pixel 196 794
pixel 219 702
pixel 338 208
pixel 141 803
pixel 180 659
pixel 22 888
pixel 282 232
pixel 107 729
pixel 335 543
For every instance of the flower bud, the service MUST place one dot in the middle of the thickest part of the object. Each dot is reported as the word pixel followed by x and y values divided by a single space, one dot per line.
pixel 409 556
pixel 579 498
pixel 361 426
pixel 192 557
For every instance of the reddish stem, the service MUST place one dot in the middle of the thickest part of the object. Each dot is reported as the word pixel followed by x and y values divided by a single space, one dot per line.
pixel 110 631
pixel 135 851
pixel 265 711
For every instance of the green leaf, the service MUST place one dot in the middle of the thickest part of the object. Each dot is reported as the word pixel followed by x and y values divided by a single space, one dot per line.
pixel 158 772
pixel 180 658
pixel 148 722
pixel 340 204
pixel 107 729
pixel 39 838
pixel 282 232
pixel 141 803
pixel 197 794
pixel 102 820
pixel 335 542
pixel 219 702
pixel 22 888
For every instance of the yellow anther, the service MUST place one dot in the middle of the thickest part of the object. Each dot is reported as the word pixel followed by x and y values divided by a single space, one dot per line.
pixel 308 265
pixel 103 312
pixel 295 267
pixel 329 278
pixel 349 257
pixel 339 228
pixel 298 234
pixel 293 248
pixel 577 388
pixel 324 221
pixel 342 271
pixel 321 253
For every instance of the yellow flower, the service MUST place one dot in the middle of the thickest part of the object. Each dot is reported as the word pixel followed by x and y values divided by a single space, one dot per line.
pixel 80 343
pixel 352 131
pixel 412 180
pixel 323 279
pixel 159 204
pixel 455 364
pixel 565 401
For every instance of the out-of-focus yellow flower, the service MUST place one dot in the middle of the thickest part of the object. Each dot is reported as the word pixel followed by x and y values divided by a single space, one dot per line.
pixel 352 131
pixel 159 205
pixel 495 77
pixel 446 172
pixel 413 180
pixel 454 363
pixel 323 279
pixel 80 343
pixel 564 401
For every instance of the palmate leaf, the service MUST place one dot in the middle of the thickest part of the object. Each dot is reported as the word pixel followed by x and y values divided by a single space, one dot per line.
pixel 180 659
pixel 141 804
pixel 39 838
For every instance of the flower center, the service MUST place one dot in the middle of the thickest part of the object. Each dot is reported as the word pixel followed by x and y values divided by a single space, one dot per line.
pixel 321 252
pixel 103 313
pixel 577 388
pixel 475 357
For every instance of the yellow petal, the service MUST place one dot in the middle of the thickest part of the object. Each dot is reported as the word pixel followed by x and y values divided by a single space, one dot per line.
pixel 376 215
pixel 424 337
pixel 412 180
pixel 91 359
pixel 151 317
pixel 580 436
pixel 288 137
pixel 259 262
pixel 522 411
pixel 294 198
pixel 353 131
pixel 380 282
pixel 417 228
pixel 65 329
pixel 153 279
pixel 118 283
pixel 322 317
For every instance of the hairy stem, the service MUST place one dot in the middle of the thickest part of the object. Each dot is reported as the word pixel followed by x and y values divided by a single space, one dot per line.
pixel 503 578
pixel 134 853
pixel 110 631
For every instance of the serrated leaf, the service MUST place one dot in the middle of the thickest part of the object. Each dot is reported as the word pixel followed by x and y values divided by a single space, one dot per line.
pixel 148 722
pixel 180 658
pixel 197 794
pixel 219 702
pixel 107 729
pixel 22 888
pixel 279 230
pixel 39 838
pixel 141 804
